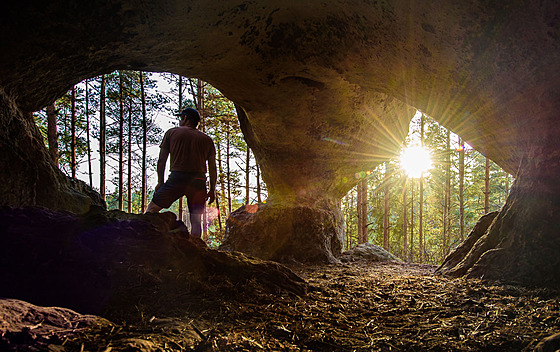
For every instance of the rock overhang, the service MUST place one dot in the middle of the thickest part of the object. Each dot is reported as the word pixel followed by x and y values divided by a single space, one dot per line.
pixel 487 72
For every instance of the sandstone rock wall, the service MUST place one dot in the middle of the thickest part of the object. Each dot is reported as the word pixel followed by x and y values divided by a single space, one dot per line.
pixel 327 88
pixel 27 175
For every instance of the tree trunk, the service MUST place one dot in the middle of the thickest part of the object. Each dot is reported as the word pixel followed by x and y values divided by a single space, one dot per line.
pixel 461 189
pixel 386 209
pixel 486 186
pixel 121 141
pixel 73 133
pixel 180 84
pixel 129 158
pixel 362 212
pixel 447 197
pixel 405 221
pixel 144 142
pixel 259 198
pixel 421 221
pixel 102 138
pixel 228 166
pixel 220 196
pixel 506 186
pixel 421 195
pixel 200 104
pixel 247 174
pixel 411 242
pixel 52 134
pixel 88 135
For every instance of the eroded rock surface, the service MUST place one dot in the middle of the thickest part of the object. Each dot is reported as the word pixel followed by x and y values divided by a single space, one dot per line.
pixel 326 89
pixel 285 233
pixel 521 244
pixel 25 326
pixel 123 269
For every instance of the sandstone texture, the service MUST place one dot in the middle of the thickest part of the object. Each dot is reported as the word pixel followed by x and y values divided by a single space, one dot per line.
pixel 120 266
pixel 326 89
pixel 286 234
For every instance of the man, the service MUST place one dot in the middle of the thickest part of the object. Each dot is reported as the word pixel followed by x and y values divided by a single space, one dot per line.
pixel 190 150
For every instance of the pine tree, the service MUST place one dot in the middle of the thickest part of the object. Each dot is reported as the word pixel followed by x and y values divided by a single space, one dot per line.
pixel 362 212
pixel 88 135
pixel 461 188
pixel 386 208
pixel 102 138
pixel 73 133
pixel 121 142
pixel 144 142
pixel 421 204
pixel 52 132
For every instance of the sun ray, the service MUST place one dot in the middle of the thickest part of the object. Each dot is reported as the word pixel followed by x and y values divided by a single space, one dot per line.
pixel 415 161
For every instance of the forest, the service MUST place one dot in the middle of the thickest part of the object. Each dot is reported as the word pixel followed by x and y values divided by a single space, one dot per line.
pixel 106 131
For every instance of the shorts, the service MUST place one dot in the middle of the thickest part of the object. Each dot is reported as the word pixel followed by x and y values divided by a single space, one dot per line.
pixel 192 185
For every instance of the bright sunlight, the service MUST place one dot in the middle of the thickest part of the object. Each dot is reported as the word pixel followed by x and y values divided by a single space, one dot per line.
pixel 416 160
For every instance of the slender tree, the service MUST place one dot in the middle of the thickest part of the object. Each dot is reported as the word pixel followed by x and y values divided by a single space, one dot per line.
pixel 386 208
pixel 461 189
pixel 228 166
pixel 180 88
pixel 102 138
pixel 486 185
pixel 506 188
pixel 259 199
pixel 73 133
pixel 362 211
pixel 247 174
pixel 144 142
pixel 90 173
pixel 405 233
pixel 220 196
pixel 411 242
pixel 52 132
pixel 129 158
pixel 121 142
pixel 421 196
pixel 447 197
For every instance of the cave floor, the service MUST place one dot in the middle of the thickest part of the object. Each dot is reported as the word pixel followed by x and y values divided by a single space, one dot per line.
pixel 349 307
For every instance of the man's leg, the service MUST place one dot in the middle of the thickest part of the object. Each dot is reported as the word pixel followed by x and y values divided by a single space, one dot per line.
pixel 196 200
pixel 168 193
pixel 196 224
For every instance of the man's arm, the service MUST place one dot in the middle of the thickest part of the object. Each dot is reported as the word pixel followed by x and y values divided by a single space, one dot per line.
pixel 213 178
pixel 162 160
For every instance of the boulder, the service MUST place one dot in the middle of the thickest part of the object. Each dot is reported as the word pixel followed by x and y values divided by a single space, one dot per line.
pixel 368 252
pixel 27 327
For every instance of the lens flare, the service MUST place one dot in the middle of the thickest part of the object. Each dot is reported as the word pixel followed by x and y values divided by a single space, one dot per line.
pixel 415 160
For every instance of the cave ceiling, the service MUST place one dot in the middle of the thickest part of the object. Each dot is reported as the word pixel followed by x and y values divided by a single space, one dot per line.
pixel 486 70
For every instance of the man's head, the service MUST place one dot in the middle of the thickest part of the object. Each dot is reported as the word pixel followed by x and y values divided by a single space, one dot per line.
pixel 190 116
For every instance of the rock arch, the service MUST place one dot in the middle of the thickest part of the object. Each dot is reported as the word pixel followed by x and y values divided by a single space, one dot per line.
pixel 326 89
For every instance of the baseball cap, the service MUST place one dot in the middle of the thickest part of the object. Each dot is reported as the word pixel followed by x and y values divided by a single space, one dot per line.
pixel 190 114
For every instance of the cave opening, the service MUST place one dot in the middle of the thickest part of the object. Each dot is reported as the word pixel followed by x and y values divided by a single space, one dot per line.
pixel 306 77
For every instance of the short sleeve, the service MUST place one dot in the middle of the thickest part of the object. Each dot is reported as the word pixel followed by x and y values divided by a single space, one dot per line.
pixel 212 149
pixel 165 142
